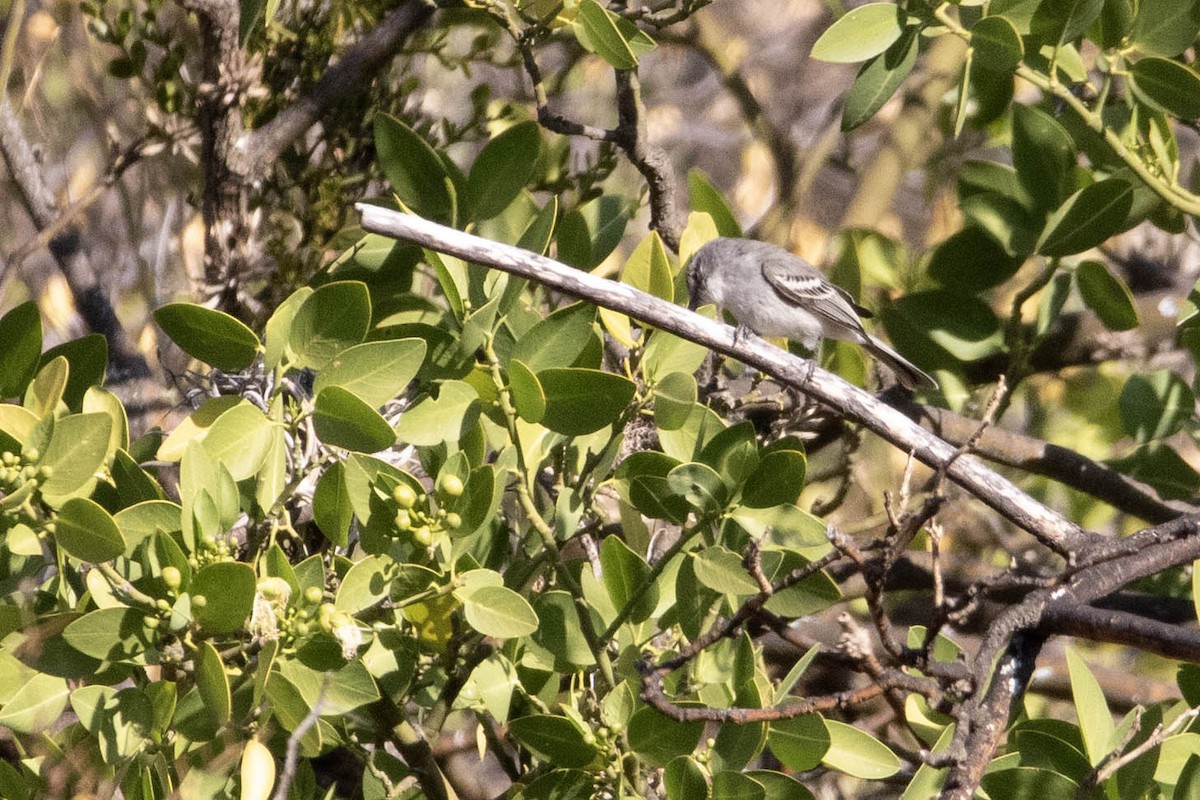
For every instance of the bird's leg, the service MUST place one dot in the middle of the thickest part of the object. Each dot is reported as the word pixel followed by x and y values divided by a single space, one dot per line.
pixel 741 334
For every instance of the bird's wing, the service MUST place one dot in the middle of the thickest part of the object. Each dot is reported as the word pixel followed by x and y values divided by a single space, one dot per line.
pixel 811 291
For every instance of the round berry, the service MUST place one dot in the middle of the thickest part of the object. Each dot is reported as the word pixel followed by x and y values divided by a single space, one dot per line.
pixel 452 486
pixel 172 577
pixel 404 495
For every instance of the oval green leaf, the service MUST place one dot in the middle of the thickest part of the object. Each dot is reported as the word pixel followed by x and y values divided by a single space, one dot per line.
pixel 1107 295
pixel 209 335
pixel 228 587
pixel 800 742
pixel 21 332
pixel 374 372
pixel 1167 85
pixel 1087 219
pixel 596 29
pixel 499 611
pixel 332 319
pixel 78 448
pixel 554 738
pixel 213 683
pixel 858 753
pixel 342 420
pixel 502 170
pixel 859 34
pixel 418 177
pixel 878 80
pixel 997 44
pixel 88 532
pixel 528 397
pixel 580 401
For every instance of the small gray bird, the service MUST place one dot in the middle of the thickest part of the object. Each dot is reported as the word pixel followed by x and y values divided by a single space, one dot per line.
pixel 775 293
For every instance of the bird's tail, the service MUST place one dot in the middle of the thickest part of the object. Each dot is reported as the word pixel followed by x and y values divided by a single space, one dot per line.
pixel 909 375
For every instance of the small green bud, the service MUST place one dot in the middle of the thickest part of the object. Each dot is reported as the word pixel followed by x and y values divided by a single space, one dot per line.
pixel 403 520
pixel 31 454
pixel 404 495
pixel 172 577
pixel 453 521
pixel 313 595
pixel 199 601
pixel 452 486
pixel 162 604
pixel 423 536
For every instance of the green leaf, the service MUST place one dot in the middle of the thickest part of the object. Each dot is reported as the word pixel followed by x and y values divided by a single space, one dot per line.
pixel 858 753
pixel 417 175
pixel 331 505
pixel 859 34
pixel 342 420
pixel 78 449
pixel 446 418
pixel 659 739
pixel 240 439
pixel 674 396
pixel 339 690
pixel 558 629
pixel 559 339
pixel 625 574
pixel 684 779
pixel 374 372
pixel 700 486
pixel 721 570
pixel 109 634
pixel 529 398
pixel 331 320
pixel 587 235
pixel 500 612
pixel 971 261
pixel 777 479
pixel 279 327
pixel 88 532
pixel 1107 295
pixel 45 392
pixel 1166 27
pixel 228 588
pixel 366 584
pixel 800 742
pixel 596 29
pixel 556 739
pixel 1022 783
pixel 1088 218
pixel 290 708
pixel 730 785
pixel 503 168
pixel 213 683
pixel 21 332
pixel 581 401
pixel 1059 21
pixel 1091 708
pixel 997 45
pixel 1043 155
pixel 1159 466
pixel 705 197
pixel 878 79
pixel 1167 85
pixel 36 706
pixel 209 335
pixel 88 358
pixel 143 520
pixel 649 270
pixel 1155 406
pixel 917 323
pixel 780 786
